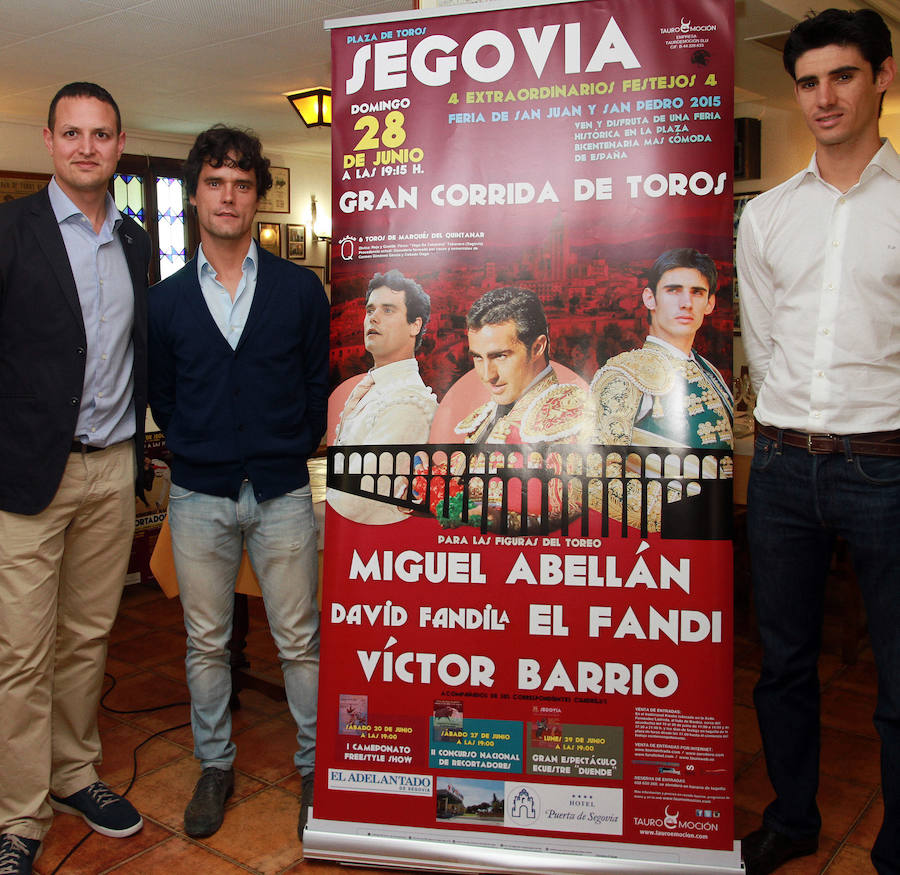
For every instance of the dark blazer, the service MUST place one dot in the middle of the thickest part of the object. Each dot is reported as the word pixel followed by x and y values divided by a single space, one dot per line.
pixel 42 350
pixel 256 412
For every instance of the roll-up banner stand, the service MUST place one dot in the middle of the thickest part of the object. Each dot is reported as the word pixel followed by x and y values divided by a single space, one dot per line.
pixel 526 659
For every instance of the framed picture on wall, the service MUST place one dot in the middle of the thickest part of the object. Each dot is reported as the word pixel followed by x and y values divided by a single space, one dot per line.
pixel 278 198
pixel 14 184
pixel 296 242
pixel 269 234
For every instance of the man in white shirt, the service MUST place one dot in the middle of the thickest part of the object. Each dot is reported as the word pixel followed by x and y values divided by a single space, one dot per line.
pixel 667 394
pixel 820 298
pixel 391 404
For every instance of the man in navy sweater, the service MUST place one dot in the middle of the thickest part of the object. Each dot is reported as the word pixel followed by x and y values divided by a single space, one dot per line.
pixel 239 360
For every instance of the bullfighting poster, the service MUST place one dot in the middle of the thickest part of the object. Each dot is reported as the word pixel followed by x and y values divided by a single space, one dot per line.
pixel 150 506
pixel 526 657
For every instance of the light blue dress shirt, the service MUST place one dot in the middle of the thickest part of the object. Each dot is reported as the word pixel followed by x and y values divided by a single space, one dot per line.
pixel 106 295
pixel 229 315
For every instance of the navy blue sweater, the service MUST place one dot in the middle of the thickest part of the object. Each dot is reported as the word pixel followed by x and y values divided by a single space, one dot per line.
pixel 256 412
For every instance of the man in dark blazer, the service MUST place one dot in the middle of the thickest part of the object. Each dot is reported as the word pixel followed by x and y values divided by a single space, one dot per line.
pixel 239 383
pixel 73 347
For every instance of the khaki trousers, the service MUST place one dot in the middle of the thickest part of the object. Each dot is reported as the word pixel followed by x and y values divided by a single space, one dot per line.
pixel 61 578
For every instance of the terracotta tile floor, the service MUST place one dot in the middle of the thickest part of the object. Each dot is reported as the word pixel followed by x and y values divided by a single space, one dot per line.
pixel 146 657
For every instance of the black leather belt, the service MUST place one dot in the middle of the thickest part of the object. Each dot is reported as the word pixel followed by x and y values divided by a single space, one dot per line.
pixel 79 447
pixel 876 443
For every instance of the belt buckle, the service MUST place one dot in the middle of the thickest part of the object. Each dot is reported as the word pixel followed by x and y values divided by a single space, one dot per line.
pixel 816 452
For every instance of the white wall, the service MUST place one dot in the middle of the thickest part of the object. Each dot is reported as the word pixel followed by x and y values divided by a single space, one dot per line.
pixel 786 145
pixel 22 149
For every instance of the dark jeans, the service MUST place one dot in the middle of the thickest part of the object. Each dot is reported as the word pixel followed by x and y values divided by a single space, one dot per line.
pixel 797 504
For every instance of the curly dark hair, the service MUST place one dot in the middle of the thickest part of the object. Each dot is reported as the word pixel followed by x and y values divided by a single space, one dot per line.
pixel 418 301
pixel 216 146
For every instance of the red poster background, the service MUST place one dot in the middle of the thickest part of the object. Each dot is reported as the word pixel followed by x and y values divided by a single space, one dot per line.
pixel 647 169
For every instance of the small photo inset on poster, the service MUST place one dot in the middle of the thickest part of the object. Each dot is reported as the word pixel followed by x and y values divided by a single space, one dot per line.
pixel 353 715
pixel 545 727
pixel 448 712
pixel 447 715
pixel 465 801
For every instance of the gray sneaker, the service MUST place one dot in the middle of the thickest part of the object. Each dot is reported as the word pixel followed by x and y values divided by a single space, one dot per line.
pixel 206 810
pixel 17 854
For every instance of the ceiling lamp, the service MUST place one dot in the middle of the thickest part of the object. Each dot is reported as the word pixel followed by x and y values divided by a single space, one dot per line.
pixel 313 105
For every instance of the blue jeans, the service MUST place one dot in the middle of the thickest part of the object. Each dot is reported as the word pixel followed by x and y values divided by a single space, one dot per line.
pixel 208 536
pixel 797 504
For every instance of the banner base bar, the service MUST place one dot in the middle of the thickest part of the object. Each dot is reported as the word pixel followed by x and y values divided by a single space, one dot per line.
pixel 460 851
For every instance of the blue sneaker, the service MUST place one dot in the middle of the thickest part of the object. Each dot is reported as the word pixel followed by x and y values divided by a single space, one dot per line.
pixel 18 854
pixel 103 810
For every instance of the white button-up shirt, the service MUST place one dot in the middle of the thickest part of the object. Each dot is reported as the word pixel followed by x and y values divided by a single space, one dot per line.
pixel 819 273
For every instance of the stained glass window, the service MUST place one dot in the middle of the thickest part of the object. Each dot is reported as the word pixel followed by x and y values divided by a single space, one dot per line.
pixel 164 196
pixel 129 195
pixel 170 222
